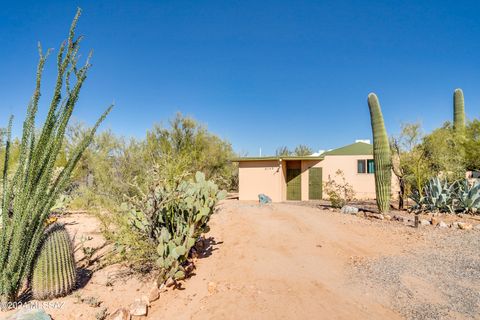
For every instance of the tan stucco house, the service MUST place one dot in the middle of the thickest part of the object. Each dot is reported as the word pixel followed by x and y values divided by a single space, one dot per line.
pixel 302 178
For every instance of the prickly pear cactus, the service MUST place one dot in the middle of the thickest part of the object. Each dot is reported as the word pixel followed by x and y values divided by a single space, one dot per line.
pixel 177 223
pixel 54 272
pixel 381 155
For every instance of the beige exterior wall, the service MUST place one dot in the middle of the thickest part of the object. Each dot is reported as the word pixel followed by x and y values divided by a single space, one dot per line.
pixel 269 177
pixel 363 183
pixel 257 177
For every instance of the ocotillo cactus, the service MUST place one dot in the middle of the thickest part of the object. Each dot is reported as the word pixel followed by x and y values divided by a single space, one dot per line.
pixel 381 155
pixel 458 111
pixel 54 272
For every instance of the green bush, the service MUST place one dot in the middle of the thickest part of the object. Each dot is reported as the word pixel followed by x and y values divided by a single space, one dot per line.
pixel 338 190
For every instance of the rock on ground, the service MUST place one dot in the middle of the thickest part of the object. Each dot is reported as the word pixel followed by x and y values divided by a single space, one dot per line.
pixel 120 314
pixel 29 314
pixel 349 210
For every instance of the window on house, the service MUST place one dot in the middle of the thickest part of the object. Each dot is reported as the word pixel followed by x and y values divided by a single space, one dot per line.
pixel 370 166
pixel 361 166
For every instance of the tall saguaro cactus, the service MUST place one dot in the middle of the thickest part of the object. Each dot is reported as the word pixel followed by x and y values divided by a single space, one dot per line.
pixel 458 111
pixel 381 155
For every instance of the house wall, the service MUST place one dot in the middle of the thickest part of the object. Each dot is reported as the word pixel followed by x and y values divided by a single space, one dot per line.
pixel 363 183
pixel 257 177
pixel 269 177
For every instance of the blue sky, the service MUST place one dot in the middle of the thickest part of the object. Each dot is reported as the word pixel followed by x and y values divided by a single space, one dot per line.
pixel 258 73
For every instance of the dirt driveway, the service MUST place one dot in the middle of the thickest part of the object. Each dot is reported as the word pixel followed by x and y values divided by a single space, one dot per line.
pixel 284 261
pixel 291 261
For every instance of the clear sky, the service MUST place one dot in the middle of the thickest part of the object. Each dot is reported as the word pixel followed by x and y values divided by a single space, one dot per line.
pixel 258 73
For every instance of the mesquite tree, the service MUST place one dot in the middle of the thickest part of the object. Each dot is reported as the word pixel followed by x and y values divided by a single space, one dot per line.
pixel 31 192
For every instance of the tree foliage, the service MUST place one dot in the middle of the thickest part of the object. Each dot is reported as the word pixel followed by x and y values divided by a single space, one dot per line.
pixel 113 167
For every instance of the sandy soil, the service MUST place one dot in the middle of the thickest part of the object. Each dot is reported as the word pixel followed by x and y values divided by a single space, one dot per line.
pixel 279 261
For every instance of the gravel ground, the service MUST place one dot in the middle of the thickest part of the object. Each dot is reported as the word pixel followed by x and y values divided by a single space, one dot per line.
pixel 439 280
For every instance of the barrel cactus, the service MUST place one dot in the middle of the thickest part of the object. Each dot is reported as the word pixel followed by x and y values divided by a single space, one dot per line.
pixel 381 155
pixel 54 272
pixel 458 110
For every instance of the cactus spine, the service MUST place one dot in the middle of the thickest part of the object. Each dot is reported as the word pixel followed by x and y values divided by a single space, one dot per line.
pixel 381 155
pixel 458 111
pixel 54 272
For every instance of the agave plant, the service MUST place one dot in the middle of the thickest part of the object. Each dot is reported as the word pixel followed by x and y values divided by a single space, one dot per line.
pixel 438 195
pixel 467 196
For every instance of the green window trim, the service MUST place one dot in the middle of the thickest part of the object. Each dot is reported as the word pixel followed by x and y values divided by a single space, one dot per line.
pixel 370 166
pixel 365 166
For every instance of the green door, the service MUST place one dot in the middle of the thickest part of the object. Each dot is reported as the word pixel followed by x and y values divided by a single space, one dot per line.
pixel 315 183
pixel 294 184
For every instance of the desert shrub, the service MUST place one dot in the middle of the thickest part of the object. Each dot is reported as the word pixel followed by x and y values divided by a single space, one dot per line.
pixel 158 229
pixel 114 168
pixel 338 190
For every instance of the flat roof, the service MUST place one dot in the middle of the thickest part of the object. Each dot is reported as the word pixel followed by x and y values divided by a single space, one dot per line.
pixel 278 158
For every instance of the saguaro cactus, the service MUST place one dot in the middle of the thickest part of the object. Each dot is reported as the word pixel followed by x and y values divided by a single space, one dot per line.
pixel 458 111
pixel 54 272
pixel 381 155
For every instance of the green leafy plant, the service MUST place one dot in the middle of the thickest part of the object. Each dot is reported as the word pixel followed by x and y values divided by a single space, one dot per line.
pixel 338 190
pixel 381 155
pixel 54 271
pixel 31 192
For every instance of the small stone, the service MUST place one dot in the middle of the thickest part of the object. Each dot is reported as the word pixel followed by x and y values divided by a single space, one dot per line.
pixel 170 282
pixel 29 314
pixel 465 226
pixel 153 294
pixel 388 217
pixel 398 218
pixel 434 221
pixel 455 225
pixel 424 222
pixel 360 214
pixel 442 224
pixel 120 314
pixel 212 287
pixel 349 210
pixel 376 216
pixel 139 308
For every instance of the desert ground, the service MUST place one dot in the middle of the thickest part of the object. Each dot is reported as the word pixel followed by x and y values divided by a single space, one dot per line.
pixel 296 261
